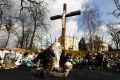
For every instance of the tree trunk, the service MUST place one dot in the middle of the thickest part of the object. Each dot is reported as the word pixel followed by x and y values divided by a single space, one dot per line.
pixel 1 22
pixel 32 38
pixel 1 19
pixel 22 41
pixel 7 39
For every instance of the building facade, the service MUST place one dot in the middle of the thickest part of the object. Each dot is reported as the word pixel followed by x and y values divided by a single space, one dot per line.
pixel 103 46
pixel 70 43
pixel 98 45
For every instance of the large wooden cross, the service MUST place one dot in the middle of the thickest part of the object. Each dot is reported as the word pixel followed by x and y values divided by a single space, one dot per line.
pixel 63 17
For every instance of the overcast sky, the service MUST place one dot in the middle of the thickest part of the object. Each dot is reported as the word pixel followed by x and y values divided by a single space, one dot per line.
pixel 74 26
pixel 105 8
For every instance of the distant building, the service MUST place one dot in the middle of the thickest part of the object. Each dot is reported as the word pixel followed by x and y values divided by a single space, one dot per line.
pixel 70 43
pixel 98 45
pixel 103 46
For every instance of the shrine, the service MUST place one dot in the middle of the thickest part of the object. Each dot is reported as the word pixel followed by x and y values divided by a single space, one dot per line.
pixel 63 37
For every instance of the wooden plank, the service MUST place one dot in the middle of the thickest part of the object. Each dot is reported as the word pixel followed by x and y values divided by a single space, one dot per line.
pixel 56 17
pixel 73 13
pixel 67 15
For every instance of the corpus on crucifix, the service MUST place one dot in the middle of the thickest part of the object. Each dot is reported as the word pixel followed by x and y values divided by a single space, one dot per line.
pixel 63 17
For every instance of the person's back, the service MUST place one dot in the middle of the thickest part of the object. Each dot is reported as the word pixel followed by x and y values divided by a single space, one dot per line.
pixel 88 57
pixel 99 59
pixel 39 56
pixel 105 62
pixel 62 60
pixel 0 62
pixel 47 57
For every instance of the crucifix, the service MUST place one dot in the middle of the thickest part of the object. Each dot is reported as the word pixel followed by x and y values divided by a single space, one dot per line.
pixel 63 17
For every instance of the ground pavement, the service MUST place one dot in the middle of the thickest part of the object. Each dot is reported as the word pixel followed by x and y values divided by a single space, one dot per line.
pixel 23 73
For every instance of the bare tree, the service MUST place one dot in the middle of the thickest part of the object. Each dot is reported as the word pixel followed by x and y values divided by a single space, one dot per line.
pixel 30 18
pixel 2 43
pixel 92 22
pixel 1 13
pixel 27 37
pixel 112 28
pixel 2 5
pixel 8 19
pixel 116 12
pixel 37 11
pixel 8 26
pixel 115 34
pixel 23 18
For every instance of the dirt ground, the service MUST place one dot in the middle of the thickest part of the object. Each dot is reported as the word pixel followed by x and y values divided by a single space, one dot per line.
pixel 23 73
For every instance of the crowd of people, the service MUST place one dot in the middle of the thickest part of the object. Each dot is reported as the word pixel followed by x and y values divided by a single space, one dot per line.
pixel 98 61
pixel 10 59
pixel 49 60
pixel 46 59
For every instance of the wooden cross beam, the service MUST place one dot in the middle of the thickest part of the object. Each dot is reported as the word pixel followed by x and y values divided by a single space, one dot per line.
pixel 63 17
pixel 67 15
